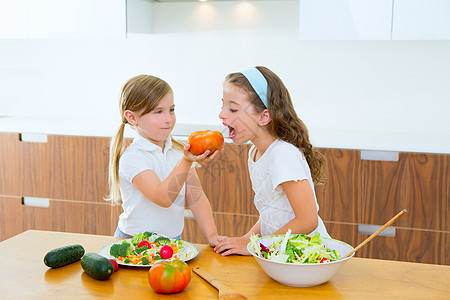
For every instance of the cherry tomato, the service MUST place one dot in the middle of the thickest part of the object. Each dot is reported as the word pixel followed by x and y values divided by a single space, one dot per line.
pixel 169 276
pixel 115 264
pixel 201 141
pixel 166 252
pixel 144 243
pixel 323 260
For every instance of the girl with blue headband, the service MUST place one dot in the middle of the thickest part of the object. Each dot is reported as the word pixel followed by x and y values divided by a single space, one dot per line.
pixel 282 163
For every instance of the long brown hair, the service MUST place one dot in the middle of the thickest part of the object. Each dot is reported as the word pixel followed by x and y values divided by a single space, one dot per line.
pixel 142 92
pixel 285 123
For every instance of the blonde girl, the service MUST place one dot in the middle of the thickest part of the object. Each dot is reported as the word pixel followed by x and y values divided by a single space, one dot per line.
pixel 152 178
pixel 282 163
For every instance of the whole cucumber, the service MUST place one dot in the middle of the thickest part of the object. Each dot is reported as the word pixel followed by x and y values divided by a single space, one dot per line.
pixel 63 256
pixel 97 266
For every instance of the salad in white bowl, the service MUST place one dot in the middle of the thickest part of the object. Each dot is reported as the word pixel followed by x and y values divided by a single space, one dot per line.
pixel 297 248
pixel 299 260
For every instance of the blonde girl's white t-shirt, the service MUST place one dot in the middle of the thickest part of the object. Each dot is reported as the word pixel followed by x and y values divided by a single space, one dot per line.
pixel 139 213
pixel 281 162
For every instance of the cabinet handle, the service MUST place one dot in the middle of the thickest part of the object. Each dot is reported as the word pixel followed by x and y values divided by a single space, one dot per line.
pixel 370 229
pixel 33 137
pixel 39 202
pixel 379 155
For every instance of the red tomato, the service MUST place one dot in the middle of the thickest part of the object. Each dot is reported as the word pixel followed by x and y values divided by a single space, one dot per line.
pixel 115 264
pixel 144 243
pixel 169 276
pixel 201 141
pixel 323 260
pixel 166 252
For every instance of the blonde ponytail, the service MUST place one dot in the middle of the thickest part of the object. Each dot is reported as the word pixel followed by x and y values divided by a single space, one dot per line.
pixel 177 145
pixel 116 150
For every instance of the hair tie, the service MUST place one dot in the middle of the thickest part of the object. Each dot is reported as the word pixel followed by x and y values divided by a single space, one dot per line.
pixel 258 83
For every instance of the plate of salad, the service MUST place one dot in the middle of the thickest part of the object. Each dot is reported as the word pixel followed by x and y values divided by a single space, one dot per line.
pixel 145 249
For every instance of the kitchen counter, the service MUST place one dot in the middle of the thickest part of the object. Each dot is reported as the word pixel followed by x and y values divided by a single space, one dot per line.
pixel 320 137
pixel 23 275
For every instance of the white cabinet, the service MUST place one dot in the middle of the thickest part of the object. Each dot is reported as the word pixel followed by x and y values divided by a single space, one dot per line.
pixel 63 19
pixel 13 19
pixel 374 20
pixel 139 16
pixel 421 20
pixel 345 19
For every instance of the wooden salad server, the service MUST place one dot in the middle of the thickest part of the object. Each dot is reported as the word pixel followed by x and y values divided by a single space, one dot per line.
pixel 225 292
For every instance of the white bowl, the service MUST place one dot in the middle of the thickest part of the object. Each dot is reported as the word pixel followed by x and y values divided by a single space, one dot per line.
pixel 301 275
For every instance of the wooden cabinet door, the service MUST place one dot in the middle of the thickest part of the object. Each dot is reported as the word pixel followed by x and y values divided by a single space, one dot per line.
pixel 418 182
pixel 115 213
pixel 65 168
pixel 81 172
pixel 11 182
pixel 410 245
pixel 339 200
pixel 10 217
pixel 66 216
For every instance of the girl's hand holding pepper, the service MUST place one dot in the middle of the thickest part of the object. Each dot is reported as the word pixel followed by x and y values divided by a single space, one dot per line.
pixel 205 157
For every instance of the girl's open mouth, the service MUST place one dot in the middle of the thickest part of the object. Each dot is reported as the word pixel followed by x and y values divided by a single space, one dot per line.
pixel 232 133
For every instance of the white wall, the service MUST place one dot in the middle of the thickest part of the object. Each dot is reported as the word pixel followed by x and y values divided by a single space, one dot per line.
pixel 383 86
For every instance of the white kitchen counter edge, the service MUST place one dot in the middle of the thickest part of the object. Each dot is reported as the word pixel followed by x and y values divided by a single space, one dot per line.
pixel 320 137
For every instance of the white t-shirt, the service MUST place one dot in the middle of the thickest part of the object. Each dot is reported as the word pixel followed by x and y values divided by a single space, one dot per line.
pixel 281 162
pixel 139 213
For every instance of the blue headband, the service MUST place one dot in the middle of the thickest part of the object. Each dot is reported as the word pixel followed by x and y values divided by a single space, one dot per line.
pixel 258 82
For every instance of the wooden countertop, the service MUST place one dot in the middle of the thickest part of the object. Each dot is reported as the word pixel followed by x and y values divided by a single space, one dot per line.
pixel 23 275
